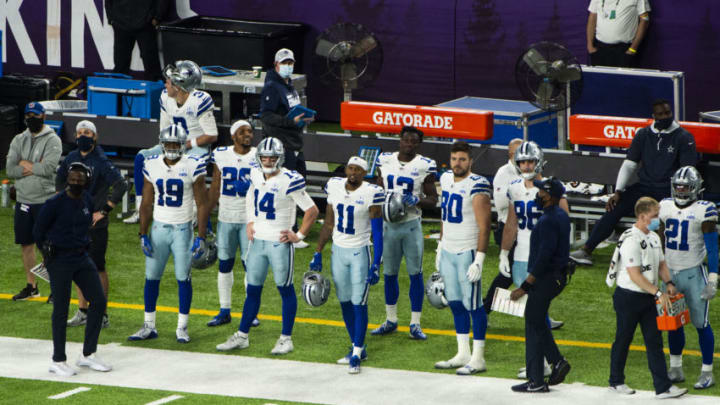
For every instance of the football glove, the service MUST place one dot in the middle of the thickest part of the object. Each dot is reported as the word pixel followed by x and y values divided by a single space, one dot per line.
pixel 146 246
pixel 242 185
pixel 504 266
pixel 373 274
pixel 711 288
pixel 438 256
pixel 410 200
pixel 474 273
pixel 198 247
pixel 316 262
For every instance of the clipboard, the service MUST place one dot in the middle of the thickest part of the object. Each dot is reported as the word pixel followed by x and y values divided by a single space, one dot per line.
pixel 502 303
pixel 300 109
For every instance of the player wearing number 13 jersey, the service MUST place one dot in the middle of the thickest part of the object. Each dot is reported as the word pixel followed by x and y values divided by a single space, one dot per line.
pixel 413 176
pixel 270 208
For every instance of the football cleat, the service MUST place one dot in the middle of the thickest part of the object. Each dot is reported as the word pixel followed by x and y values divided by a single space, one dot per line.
pixel 673 392
pixel 622 389
pixel 531 387
pixel 182 335
pixel 93 362
pixel 455 362
pixel 220 319
pixel 471 368
pixel 676 375
pixel 284 345
pixel 62 369
pixel 80 318
pixel 145 333
pixel 134 218
pixel 354 365
pixel 346 359
pixel 236 341
pixel 705 380
pixel 385 328
pixel 417 333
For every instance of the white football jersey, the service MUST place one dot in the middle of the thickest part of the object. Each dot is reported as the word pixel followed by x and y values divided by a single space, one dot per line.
pixel 405 177
pixel 522 201
pixel 232 167
pixel 196 115
pixel 272 202
pixel 684 243
pixel 173 187
pixel 460 230
pixel 352 211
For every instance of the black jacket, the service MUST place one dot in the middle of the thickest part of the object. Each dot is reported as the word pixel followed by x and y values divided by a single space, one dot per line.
pixel 134 15
pixel 274 106
pixel 661 154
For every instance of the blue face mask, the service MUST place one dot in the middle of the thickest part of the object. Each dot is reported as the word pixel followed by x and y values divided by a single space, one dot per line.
pixel 285 71
pixel 654 224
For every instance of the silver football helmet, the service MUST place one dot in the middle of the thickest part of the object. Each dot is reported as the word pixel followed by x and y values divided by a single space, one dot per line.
pixel 184 74
pixel 173 134
pixel 685 185
pixel 270 147
pixel 209 256
pixel 393 208
pixel 435 291
pixel 315 289
pixel 529 151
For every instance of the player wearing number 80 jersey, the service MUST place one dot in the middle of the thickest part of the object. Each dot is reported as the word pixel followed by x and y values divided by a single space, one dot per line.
pixel 690 232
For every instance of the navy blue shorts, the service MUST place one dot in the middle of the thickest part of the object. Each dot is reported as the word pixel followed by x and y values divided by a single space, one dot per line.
pixel 25 215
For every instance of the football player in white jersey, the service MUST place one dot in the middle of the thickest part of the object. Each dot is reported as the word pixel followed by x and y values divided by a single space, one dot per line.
pixel 230 183
pixel 465 205
pixel 172 182
pixel 180 104
pixel 353 214
pixel 414 176
pixel 523 212
pixel 690 233
pixel 274 192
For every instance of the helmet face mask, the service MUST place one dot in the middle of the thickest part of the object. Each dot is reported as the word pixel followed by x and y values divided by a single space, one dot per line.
pixel 172 139
pixel 393 208
pixel 435 291
pixel 529 151
pixel 209 256
pixel 183 74
pixel 315 289
pixel 270 147
pixel 686 186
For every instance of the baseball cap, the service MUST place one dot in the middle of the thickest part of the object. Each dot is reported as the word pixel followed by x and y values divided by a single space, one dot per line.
pixel 551 185
pixel 358 161
pixel 34 107
pixel 87 125
pixel 284 54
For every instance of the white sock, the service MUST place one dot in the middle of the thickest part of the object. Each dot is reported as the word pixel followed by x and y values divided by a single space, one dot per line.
pixel 391 311
pixel 182 320
pixel 225 283
pixel 478 353
pixel 285 337
pixel 676 360
pixel 150 319
pixel 243 334
pixel 138 201
pixel 357 351
pixel 415 318
pixel 463 341
pixel 706 367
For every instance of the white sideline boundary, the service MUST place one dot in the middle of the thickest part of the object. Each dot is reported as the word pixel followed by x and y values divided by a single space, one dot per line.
pixel 288 380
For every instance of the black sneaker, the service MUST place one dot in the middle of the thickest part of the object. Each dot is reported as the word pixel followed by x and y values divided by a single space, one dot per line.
pixel 50 299
pixel 531 387
pixel 28 292
pixel 559 371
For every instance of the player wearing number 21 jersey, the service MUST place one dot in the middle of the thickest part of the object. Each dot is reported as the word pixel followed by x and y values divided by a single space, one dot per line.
pixel 271 204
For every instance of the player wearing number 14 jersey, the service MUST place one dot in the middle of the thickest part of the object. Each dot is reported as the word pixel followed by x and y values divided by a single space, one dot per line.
pixel 413 176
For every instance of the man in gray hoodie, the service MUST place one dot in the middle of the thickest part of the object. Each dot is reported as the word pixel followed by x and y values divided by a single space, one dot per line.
pixel 31 161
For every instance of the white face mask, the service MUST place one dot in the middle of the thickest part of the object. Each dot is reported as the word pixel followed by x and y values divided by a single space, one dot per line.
pixel 285 71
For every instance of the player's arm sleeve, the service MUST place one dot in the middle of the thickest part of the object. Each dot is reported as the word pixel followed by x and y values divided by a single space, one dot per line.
pixel 482 187
pixel 61 176
pixel 296 190
pixel 206 118
pixel 200 169
pixel 627 169
pixel 165 120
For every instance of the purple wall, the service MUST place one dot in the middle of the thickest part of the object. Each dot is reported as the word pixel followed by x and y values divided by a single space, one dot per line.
pixel 434 50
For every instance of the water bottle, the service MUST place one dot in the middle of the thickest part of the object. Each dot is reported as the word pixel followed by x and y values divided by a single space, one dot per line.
pixel 5 193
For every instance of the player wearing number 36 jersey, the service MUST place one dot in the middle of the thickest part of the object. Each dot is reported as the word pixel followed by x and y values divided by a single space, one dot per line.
pixel 270 208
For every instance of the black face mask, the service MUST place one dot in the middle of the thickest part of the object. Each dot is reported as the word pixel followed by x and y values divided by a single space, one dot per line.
pixel 85 143
pixel 76 189
pixel 663 124
pixel 34 124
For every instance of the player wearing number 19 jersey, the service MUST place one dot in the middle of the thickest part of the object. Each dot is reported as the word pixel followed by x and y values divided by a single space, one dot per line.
pixel 690 230
pixel 414 176
pixel 272 197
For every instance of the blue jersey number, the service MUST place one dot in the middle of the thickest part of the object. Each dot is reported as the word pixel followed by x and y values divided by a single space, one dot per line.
pixel 527 214
pixel 406 183
pixel 182 122
pixel 451 207
pixel 266 205
pixel 673 227
pixel 346 214
pixel 170 193
pixel 229 176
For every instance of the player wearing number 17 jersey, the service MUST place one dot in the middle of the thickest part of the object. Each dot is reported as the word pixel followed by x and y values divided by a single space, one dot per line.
pixel 413 175
pixel 172 182
pixel 272 197
pixel 690 233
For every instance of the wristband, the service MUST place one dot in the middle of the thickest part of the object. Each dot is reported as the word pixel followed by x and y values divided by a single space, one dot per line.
pixel 106 209
pixel 299 235
pixel 526 286
pixel 658 294
pixel 633 51
pixel 193 143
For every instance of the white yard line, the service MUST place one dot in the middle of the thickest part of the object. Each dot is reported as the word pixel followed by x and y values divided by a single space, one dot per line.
pixel 68 393
pixel 287 380
pixel 165 400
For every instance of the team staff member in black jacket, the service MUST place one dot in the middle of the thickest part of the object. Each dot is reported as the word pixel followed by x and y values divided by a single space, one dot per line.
pixel 278 97
pixel 662 148
pixel 104 177
pixel 547 276
pixel 61 229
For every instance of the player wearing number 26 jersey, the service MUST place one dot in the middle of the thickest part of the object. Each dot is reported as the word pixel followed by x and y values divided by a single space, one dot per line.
pixel 690 230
